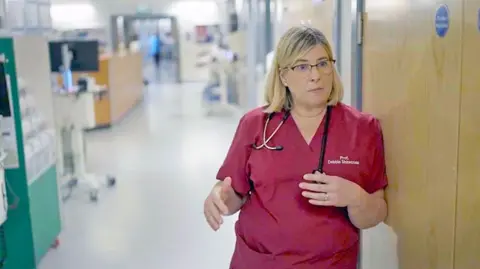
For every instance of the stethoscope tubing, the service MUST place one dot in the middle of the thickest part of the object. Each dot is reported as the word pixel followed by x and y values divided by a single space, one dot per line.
pixel 278 148
pixel 265 139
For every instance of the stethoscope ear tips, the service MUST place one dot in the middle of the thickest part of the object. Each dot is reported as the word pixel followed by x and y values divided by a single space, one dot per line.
pixel 278 148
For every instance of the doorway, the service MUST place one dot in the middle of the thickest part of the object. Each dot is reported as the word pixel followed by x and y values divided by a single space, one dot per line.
pixel 155 36
pixel 358 8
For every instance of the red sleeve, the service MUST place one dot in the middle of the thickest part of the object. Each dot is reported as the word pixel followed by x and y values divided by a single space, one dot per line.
pixel 377 179
pixel 235 163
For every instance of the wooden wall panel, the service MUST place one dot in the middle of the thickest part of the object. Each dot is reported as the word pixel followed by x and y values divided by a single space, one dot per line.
pixel 411 83
pixel 126 84
pixel 467 243
pixel 102 110
pixel 102 106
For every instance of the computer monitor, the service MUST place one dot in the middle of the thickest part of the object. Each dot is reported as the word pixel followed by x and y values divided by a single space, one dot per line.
pixel 85 55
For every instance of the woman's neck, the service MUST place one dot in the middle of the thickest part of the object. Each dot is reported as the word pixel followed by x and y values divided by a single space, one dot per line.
pixel 309 112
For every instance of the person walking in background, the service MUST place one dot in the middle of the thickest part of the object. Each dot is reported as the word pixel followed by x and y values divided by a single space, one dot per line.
pixel 156 51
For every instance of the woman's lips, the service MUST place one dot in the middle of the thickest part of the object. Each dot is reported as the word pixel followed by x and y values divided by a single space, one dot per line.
pixel 315 90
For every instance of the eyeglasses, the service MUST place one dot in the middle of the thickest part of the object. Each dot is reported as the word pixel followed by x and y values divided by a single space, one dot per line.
pixel 324 66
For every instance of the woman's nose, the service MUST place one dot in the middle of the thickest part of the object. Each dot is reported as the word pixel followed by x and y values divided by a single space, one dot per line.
pixel 315 74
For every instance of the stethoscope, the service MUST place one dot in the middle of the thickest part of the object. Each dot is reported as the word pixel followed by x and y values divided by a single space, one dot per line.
pixel 279 147
pixel 265 139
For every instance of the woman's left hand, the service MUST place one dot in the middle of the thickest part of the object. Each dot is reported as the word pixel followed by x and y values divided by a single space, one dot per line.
pixel 324 190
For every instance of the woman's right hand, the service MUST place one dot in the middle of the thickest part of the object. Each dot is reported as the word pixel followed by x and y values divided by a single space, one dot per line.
pixel 222 201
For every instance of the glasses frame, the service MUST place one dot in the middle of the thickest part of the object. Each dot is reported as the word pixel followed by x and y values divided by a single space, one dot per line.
pixel 311 66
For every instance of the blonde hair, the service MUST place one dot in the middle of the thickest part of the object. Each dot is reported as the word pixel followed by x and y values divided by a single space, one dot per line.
pixel 294 44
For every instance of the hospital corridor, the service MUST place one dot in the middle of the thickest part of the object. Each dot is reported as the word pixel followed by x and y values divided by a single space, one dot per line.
pixel 239 134
pixel 165 155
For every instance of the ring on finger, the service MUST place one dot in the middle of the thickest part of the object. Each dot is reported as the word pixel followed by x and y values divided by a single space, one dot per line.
pixel 325 197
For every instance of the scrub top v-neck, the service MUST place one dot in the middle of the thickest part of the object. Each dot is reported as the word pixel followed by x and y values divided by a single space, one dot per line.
pixel 297 132
pixel 277 227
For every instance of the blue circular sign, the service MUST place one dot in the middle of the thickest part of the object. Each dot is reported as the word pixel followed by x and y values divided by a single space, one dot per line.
pixel 442 21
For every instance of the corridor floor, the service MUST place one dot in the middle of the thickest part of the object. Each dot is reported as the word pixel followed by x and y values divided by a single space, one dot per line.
pixel 165 155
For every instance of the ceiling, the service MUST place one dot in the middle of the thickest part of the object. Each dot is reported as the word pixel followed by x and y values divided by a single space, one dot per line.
pixel 121 2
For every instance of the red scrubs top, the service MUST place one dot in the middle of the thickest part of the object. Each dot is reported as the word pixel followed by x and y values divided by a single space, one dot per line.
pixel 277 227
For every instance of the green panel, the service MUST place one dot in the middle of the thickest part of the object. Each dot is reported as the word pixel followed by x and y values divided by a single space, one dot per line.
pixel 18 229
pixel 45 212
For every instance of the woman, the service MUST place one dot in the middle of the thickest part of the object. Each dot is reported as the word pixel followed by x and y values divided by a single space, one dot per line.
pixel 291 217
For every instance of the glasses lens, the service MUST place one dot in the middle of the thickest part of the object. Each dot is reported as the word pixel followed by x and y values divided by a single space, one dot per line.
pixel 323 67
pixel 302 68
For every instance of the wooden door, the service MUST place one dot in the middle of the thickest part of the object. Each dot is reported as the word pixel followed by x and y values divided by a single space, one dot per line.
pixel 467 235
pixel 411 80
